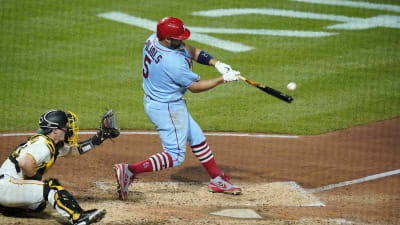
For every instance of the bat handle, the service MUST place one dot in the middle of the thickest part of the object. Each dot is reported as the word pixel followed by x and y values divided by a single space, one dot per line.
pixel 242 78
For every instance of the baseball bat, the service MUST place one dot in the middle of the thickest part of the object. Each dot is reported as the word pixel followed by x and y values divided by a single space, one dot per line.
pixel 268 90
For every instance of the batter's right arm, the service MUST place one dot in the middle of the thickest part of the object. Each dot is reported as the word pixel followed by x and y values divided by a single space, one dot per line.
pixel 204 85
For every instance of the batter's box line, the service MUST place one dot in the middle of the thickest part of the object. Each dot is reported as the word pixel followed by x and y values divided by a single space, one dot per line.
pixel 356 181
pixel 226 134
pixel 315 200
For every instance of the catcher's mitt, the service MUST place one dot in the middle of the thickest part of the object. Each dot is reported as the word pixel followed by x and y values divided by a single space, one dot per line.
pixel 108 126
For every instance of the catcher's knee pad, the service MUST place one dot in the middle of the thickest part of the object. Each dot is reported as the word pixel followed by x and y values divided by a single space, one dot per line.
pixel 63 200
pixel 48 185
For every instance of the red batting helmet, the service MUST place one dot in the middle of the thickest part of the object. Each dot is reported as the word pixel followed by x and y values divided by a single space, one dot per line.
pixel 173 28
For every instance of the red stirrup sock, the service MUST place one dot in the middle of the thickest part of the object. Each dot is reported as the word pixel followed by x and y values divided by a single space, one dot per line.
pixel 203 152
pixel 156 162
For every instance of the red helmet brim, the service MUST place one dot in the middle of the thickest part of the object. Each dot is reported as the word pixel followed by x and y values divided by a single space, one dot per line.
pixel 185 35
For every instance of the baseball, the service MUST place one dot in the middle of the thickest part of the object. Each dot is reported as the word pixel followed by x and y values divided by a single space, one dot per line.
pixel 291 86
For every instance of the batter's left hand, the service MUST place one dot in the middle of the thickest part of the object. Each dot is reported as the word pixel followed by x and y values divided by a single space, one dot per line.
pixel 222 67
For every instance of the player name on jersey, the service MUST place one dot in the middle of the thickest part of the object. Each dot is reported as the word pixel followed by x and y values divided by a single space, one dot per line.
pixel 152 51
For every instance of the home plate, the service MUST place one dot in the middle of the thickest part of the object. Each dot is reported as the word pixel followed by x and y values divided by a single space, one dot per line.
pixel 238 213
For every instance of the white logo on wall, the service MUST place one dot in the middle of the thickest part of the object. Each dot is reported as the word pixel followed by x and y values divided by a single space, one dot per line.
pixel 199 34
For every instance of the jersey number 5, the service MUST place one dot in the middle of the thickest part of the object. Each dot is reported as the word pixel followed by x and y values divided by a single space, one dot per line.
pixel 146 62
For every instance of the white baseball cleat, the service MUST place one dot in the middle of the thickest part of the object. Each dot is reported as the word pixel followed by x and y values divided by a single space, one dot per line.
pixel 221 184
pixel 124 179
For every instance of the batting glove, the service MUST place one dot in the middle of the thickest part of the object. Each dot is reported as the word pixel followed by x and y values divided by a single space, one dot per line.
pixel 222 67
pixel 231 76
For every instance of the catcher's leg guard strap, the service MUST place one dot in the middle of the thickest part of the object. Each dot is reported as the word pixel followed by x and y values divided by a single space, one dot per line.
pixel 62 200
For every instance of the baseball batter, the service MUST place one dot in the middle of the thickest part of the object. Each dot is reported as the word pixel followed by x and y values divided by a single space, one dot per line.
pixel 167 75
pixel 21 185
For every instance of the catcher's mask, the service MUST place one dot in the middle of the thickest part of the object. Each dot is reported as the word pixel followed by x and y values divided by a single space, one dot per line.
pixel 59 119
pixel 71 136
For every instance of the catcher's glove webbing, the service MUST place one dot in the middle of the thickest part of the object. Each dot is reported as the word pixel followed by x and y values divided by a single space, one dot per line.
pixel 108 125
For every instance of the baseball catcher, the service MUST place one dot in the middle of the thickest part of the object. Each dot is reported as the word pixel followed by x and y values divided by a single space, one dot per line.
pixel 21 185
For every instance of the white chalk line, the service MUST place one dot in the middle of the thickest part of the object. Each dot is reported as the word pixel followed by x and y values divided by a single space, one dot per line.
pixel 301 190
pixel 221 134
pixel 271 12
pixel 356 181
pixel 152 26
pixel 365 5
pixel 350 23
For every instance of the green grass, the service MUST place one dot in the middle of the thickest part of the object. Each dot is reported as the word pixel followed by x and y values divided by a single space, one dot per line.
pixel 59 54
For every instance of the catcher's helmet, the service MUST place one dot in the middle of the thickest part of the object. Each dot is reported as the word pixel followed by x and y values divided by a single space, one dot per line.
pixel 52 119
pixel 173 28
pixel 59 119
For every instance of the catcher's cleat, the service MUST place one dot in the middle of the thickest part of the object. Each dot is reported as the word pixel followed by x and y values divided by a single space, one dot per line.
pixel 124 179
pixel 221 184
pixel 90 216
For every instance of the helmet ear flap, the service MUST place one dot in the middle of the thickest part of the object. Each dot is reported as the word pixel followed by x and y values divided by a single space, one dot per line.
pixel 42 126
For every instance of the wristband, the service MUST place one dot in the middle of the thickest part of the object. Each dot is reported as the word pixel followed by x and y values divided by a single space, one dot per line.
pixel 89 144
pixel 85 146
pixel 204 58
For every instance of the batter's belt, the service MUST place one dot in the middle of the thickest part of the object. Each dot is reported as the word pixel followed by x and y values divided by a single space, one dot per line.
pixel 148 96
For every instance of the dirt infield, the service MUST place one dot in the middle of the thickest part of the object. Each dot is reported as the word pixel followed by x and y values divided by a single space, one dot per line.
pixel 280 178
